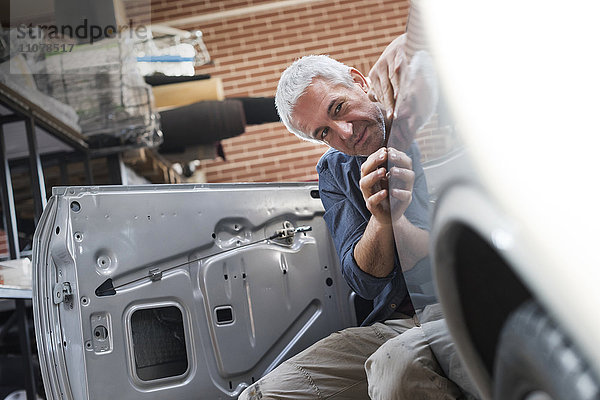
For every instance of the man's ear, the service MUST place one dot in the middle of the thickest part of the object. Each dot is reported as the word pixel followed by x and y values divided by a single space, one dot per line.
pixel 359 79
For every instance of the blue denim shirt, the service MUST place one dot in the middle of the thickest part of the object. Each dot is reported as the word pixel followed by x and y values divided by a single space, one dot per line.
pixel 347 216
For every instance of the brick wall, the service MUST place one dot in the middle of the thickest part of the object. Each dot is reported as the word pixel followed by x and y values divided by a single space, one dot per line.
pixel 250 51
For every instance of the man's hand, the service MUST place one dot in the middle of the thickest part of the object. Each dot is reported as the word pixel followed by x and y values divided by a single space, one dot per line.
pixel 374 186
pixel 374 252
pixel 376 182
pixel 385 75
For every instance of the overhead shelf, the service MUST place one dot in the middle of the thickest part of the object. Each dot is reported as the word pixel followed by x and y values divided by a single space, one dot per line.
pixel 24 108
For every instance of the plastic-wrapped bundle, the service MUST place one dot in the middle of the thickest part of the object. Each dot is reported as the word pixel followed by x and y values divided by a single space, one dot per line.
pixel 20 69
pixel 169 51
pixel 15 75
pixel 102 83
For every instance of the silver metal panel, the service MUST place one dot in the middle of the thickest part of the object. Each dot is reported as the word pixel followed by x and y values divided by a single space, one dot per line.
pixel 246 303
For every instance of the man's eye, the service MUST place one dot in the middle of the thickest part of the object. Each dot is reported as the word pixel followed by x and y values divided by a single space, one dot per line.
pixel 338 108
pixel 324 133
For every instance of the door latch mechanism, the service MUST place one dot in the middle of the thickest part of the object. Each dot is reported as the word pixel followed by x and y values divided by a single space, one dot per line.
pixel 284 236
pixel 288 232
pixel 63 293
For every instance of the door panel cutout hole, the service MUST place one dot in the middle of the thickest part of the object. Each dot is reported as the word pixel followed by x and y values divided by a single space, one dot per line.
pixel 224 315
pixel 75 206
pixel 159 345
pixel 101 333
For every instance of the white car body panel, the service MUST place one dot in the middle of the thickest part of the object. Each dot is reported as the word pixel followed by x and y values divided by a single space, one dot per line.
pixel 522 82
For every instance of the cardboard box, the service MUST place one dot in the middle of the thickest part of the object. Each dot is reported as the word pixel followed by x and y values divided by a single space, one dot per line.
pixel 16 273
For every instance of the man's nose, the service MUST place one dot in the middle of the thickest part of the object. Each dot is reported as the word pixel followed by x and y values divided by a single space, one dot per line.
pixel 344 129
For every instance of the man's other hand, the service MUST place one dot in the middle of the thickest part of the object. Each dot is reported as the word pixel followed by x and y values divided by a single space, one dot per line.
pixel 385 75
pixel 374 185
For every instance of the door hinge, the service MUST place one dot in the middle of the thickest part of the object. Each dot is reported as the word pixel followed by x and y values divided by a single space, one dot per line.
pixel 63 292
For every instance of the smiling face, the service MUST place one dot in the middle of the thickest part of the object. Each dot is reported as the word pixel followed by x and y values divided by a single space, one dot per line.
pixel 341 116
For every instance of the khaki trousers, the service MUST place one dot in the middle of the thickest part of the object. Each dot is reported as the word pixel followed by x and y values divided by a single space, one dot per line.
pixel 391 360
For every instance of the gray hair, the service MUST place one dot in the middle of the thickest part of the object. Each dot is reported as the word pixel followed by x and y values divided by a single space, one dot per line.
pixel 298 77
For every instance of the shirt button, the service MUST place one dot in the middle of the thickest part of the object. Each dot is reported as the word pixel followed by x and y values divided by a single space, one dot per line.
pixel 393 305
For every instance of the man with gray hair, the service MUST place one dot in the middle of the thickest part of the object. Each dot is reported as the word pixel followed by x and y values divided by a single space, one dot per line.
pixel 322 100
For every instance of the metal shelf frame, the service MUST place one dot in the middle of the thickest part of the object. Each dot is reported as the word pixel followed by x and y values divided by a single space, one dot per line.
pixel 31 115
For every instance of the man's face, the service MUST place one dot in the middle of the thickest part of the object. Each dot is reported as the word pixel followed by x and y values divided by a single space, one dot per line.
pixel 341 116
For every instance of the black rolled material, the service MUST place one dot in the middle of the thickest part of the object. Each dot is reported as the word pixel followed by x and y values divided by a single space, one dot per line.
pixel 259 110
pixel 157 80
pixel 202 123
